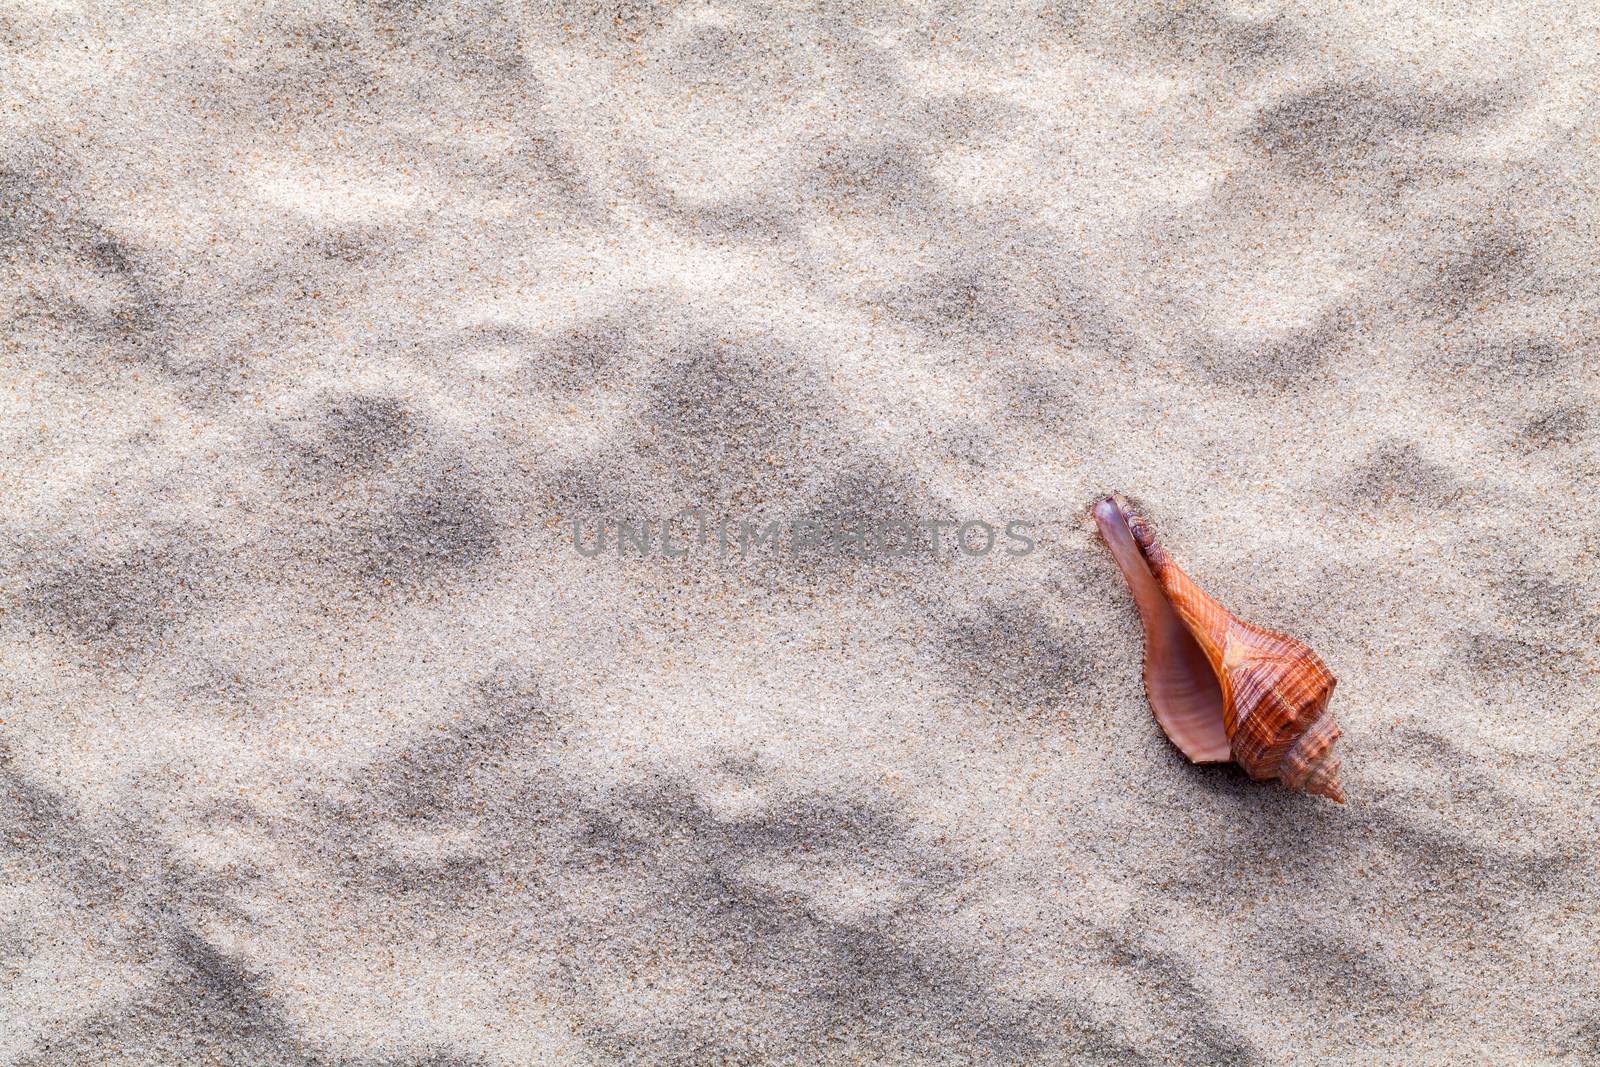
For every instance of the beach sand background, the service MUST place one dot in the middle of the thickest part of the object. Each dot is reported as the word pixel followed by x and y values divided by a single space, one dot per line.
pixel 323 323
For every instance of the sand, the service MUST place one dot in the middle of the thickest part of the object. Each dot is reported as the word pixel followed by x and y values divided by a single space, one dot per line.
pixel 324 324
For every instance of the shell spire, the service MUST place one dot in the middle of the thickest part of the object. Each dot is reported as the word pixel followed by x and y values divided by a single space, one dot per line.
pixel 1221 687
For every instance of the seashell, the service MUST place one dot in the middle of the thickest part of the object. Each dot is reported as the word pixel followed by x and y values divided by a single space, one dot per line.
pixel 1222 688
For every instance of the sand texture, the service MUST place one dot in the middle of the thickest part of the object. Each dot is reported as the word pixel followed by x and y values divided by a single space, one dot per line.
pixel 320 742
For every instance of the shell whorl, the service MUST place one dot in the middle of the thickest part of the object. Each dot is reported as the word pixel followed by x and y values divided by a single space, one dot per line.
pixel 1275 709
pixel 1275 689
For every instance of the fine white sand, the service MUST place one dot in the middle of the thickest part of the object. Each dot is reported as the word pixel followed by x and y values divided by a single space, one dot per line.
pixel 323 323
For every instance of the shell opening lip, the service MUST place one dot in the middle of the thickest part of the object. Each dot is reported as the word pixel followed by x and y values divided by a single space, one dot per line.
pixel 1184 692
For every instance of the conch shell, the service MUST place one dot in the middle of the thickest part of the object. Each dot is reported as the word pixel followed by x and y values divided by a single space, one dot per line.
pixel 1220 687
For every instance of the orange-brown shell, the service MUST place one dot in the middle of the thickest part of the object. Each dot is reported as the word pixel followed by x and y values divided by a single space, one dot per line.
pixel 1274 691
